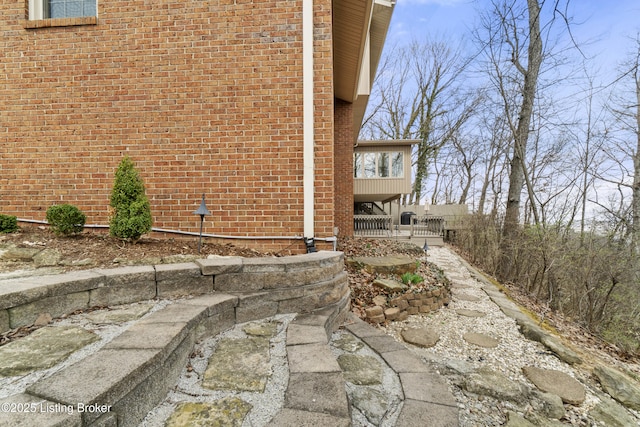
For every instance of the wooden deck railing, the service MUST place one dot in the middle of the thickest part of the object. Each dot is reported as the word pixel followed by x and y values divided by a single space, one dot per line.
pixel 382 225
pixel 427 225
pixel 372 225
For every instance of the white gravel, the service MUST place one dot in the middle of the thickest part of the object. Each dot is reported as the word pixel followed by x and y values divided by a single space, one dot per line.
pixel 513 352
pixel 264 405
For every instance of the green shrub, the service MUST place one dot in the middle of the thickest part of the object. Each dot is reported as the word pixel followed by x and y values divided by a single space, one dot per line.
pixel 66 219
pixel 8 223
pixel 131 209
pixel 408 278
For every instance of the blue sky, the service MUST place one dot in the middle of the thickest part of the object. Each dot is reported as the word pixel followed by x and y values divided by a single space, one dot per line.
pixel 604 30
pixel 609 22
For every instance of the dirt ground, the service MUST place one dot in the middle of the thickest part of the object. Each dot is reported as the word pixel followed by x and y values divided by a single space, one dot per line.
pixel 105 251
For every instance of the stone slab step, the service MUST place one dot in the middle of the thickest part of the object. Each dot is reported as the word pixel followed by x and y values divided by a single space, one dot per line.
pixel 316 391
pixel 428 400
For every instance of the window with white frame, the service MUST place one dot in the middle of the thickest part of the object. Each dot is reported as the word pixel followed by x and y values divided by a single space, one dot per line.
pixel 378 165
pixel 44 9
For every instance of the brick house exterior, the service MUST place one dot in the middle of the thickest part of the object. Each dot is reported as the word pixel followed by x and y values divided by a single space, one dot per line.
pixel 204 96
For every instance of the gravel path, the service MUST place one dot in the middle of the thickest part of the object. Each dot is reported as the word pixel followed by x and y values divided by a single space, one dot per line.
pixel 453 354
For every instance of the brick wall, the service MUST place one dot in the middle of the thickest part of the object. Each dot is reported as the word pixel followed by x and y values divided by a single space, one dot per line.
pixel 205 97
pixel 344 167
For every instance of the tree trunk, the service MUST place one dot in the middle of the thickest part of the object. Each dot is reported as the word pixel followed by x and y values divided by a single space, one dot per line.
pixel 518 161
pixel 635 199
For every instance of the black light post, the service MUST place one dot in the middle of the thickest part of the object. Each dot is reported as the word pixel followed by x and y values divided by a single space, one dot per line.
pixel 202 211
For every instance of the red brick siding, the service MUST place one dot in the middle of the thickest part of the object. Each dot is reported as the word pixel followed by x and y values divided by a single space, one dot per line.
pixel 344 167
pixel 205 97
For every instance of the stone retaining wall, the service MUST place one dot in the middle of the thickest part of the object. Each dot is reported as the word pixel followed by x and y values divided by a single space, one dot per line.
pixel 399 308
pixel 264 286
pixel 134 371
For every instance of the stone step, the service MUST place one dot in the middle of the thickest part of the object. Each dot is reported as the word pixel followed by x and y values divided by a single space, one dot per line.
pixel 125 379
pixel 316 387
pixel 427 398
pixel 132 373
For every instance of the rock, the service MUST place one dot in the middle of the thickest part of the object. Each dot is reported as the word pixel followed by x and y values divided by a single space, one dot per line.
pixel 360 370
pixel 515 420
pixel 385 265
pixel 547 404
pixel 530 330
pixel 458 366
pixel 121 314
pixel 42 349
pixel 43 319
pixel 481 340
pixel 535 333
pixel 392 313
pixel 261 329
pixel 348 342
pixel 380 300
pixel 470 313
pixel 390 285
pixel 466 297
pixel 564 353
pixel 422 337
pixel 79 262
pixel 619 386
pixel 373 404
pixel 47 258
pixel 239 364
pixel 229 411
pixel 487 382
pixel 174 259
pixel 556 382
pixel 377 319
pixel 14 253
pixel 611 414
pixel 146 261
pixel 538 420
pixel 372 312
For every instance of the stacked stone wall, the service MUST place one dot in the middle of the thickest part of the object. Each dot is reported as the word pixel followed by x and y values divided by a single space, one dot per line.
pixel 264 287
pixel 400 307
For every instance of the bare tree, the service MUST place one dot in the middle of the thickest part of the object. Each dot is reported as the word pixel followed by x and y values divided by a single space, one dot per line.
pixel 627 113
pixel 418 96
pixel 623 151
pixel 512 38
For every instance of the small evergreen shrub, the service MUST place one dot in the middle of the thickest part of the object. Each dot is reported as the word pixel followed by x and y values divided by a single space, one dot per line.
pixel 8 223
pixel 66 219
pixel 131 208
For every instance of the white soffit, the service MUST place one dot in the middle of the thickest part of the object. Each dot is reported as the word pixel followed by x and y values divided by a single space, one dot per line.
pixel 351 21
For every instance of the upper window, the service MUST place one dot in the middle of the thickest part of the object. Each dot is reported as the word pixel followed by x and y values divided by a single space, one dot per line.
pixel 45 9
pixel 378 165
pixel 70 8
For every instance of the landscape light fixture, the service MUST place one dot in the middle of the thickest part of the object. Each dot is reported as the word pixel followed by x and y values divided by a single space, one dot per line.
pixel 310 243
pixel 202 211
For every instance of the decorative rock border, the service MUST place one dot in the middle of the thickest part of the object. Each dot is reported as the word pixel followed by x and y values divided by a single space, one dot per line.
pixel 121 382
pixel 399 308
pixel 265 286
